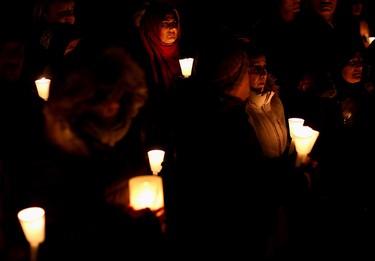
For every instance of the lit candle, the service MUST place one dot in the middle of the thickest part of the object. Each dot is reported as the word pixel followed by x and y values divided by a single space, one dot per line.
pixel 156 158
pixel 305 138
pixel 146 191
pixel 32 221
pixel 42 86
pixel 186 65
pixel 293 123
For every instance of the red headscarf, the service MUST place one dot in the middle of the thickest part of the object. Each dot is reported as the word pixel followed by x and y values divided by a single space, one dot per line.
pixel 163 57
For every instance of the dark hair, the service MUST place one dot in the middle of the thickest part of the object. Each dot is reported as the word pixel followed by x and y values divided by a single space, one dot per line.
pixel 221 61
pixel 254 49
pixel 348 45
pixel 109 73
pixel 41 8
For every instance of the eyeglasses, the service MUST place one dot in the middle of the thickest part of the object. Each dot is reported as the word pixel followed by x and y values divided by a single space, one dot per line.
pixel 166 24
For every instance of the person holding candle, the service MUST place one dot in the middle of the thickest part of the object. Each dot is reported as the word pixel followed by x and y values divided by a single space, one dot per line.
pixel 264 107
pixel 217 149
pixel 346 153
pixel 160 33
pixel 357 12
pixel 318 22
pixel 280 32
pixel 53 28
pixel 93 146
pixel 22 119
pixel 157 47
pixel 267 117
pixel 20 104
pixel 346 110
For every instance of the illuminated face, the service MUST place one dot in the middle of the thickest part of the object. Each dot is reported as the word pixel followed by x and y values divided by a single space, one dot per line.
pixel 61 12
pixel 258 73
pixel 169 29
pixel 357 8
pixel 324 7
pixel 291 5
pixel 352 71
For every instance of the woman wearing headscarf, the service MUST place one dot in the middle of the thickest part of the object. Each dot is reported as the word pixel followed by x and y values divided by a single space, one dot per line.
pixel 158 53
pixel 160 33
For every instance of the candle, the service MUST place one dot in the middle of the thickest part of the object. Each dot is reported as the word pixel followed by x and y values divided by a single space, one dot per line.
pixel 293 123
pixel 32 221
pixel 305 138
pixel 146 191
pixel 186 65
pixel 156 158
pixel 42 86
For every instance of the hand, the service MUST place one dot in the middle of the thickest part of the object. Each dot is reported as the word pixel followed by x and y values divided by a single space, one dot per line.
pixel 147 212
pixel 118 195
pixel 310 169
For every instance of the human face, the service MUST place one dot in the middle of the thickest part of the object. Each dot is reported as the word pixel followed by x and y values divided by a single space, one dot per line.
pixel 325 8
pixel 258 73
pixel 108 112
pixel 169 29
pixel 61 12
pixel 352 71
pixel 357 9
pixel 293 6
pixel 11 60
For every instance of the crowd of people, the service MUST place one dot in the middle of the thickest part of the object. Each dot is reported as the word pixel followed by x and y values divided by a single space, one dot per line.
pixel 231 185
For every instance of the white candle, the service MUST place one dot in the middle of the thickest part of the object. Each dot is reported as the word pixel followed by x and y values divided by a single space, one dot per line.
pixel 186 66
pixel 293 123
pixel 33 224
pixel 156 158
pixel 146 191
pixel 305 138
pixel 42 86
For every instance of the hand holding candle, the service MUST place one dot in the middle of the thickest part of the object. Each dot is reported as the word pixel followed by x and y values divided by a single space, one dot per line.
pixel 146 191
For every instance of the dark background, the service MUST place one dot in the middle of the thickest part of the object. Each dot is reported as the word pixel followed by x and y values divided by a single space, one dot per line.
pixel 200 13
pixel 196 15
pixel 210 9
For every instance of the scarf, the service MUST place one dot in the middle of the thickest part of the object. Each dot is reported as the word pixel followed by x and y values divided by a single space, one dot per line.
pixel 164 57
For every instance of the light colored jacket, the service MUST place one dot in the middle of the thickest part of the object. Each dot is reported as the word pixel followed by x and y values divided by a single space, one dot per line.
pixel 266 115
